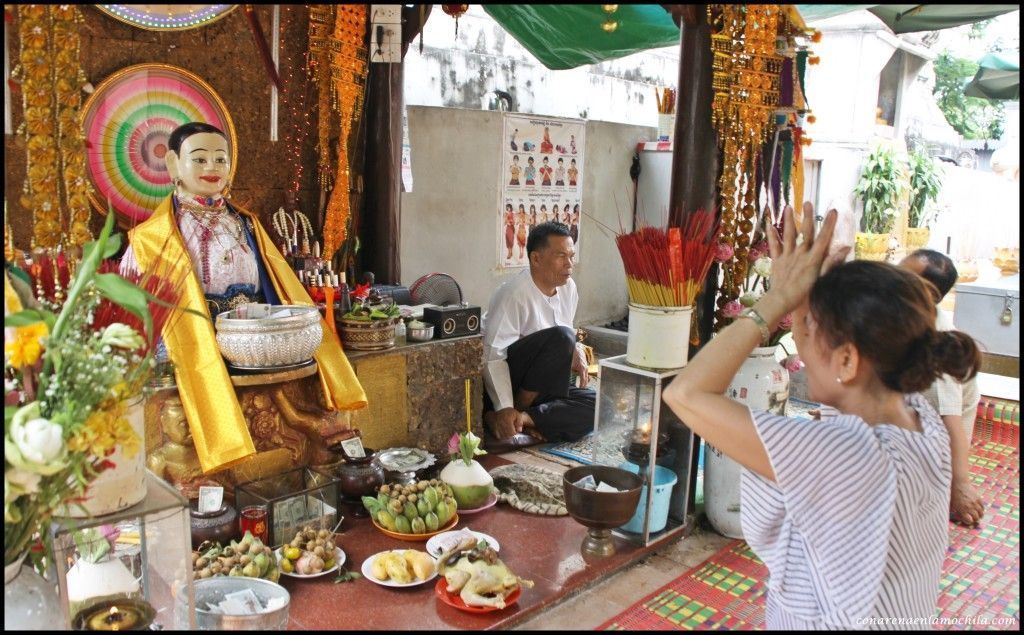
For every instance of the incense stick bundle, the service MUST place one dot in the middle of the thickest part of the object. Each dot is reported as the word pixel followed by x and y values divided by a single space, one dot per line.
pixel 668 267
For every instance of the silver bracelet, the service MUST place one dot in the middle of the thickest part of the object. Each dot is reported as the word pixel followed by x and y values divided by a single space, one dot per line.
pixel 761 323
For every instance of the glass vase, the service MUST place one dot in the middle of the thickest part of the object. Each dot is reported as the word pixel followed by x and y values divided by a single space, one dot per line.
pixel 30 602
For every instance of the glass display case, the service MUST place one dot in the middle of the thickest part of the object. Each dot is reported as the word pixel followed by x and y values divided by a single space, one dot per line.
pixel 286 502
pixel 632 424
pixel 142 572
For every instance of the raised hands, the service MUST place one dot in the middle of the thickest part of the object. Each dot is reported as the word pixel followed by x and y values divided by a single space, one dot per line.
pixel 797 262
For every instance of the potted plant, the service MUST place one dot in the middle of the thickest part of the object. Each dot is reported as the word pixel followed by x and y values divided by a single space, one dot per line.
pixel 469 481
pixel 924 188
pixel 879 187
pixel 370 325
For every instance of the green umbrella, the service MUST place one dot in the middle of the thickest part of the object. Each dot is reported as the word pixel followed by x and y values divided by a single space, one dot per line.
pixel 998 77
pixel 908 18
pixel 564 36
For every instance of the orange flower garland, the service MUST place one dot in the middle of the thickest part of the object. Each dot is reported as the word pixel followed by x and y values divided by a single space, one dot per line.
pixel 338 63
pixel 56 189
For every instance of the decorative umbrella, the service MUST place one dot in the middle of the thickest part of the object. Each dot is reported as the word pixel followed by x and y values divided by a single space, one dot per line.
pixel 998 77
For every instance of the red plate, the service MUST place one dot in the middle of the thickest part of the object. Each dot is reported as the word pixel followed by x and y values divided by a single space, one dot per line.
pixel 453 599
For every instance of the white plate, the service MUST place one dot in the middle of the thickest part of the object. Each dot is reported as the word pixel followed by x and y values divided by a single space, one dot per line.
pixel 436 545
pixel 339 559
pixel 369 576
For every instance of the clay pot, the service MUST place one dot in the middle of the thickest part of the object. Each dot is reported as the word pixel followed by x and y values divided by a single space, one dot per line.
pixel 358 477
pixel 220 526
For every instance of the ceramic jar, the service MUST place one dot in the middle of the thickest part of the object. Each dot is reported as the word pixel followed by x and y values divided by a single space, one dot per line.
pixel 762 384
pixel 219 526
pixel 358 477
pixel 30 602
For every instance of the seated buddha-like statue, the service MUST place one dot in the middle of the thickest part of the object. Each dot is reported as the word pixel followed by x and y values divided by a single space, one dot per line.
pixel 225 258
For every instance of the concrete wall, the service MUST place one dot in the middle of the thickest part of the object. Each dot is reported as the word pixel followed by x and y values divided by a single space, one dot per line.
pixel 449 222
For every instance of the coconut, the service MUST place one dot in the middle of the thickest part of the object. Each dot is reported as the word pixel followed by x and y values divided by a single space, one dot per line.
pixel 469 481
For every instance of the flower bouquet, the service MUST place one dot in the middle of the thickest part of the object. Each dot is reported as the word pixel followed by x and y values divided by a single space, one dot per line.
pixel 71 364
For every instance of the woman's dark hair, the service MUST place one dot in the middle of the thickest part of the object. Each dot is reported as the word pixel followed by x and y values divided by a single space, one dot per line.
pixel 939 270
pixel 186 130
pixel 538 238
pixel 889 315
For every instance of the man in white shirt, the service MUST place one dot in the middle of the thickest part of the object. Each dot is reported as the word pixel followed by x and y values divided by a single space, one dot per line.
pixel 530 350
pixel 956 403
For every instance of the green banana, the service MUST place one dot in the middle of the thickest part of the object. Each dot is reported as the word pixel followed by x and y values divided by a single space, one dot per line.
pixel 411 511
pixel 402 525
pixel 371 504
pixel 443 513
pixel 423 507
pixel 386 520
pixel 431 520
pixel 432 496
pixel 418 526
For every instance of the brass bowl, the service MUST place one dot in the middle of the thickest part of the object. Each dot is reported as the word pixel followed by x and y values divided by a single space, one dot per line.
pixel 600 512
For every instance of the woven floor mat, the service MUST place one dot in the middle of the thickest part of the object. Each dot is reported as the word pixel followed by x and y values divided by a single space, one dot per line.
pixel 980 584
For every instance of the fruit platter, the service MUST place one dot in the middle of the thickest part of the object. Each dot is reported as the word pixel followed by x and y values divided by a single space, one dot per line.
pixel 400 568
pixel 311 553
pixel 415 511
pixel 247 557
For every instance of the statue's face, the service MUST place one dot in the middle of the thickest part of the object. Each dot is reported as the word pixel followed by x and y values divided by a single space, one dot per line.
pixel 204 164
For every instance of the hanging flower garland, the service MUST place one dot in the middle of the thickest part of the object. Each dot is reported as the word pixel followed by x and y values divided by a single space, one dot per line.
pixel 338 60
pixel 745 81
pixel 56 188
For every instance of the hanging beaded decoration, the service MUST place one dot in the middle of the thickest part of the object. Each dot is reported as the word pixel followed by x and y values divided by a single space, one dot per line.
pixel 338 63
pixel 745 82
pixel 56 188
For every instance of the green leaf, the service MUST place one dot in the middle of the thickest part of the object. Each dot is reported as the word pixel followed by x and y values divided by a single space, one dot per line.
pixel 28 317
pixel 125 294
pixel 111 247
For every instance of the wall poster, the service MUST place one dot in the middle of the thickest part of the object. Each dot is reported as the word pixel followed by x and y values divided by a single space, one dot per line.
pixel 541 180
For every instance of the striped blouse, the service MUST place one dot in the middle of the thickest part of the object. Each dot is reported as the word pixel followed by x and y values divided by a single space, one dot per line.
pixel 854 530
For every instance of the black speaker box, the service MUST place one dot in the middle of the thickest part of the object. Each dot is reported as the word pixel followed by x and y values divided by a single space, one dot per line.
pixel 453 321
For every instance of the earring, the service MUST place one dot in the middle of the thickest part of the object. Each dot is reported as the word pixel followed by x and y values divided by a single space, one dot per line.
pixel 177 182
pixel 839 380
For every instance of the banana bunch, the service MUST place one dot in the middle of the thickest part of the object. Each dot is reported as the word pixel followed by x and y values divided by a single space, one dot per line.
pixel 403 566
pixel 421 508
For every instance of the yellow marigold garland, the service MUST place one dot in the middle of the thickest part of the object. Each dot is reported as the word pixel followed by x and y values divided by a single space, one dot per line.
pixel 56 188
pixel 338 63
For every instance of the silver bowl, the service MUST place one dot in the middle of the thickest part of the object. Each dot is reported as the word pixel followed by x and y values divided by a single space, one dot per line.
pixel 212 591
pixel 291 335
pixel 422 334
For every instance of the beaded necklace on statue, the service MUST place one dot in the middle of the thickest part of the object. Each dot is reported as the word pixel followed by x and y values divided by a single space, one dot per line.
pixel 209 213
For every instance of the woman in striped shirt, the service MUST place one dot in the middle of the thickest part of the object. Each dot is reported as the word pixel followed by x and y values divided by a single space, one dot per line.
pixel 849 514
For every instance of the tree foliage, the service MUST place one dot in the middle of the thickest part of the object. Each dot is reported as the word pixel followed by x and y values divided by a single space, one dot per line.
pixel 972 117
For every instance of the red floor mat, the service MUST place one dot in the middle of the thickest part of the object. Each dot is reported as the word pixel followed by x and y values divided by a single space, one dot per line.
pixel 980 580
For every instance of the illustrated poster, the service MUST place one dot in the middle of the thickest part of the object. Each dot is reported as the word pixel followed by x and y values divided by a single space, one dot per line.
pixel 542 180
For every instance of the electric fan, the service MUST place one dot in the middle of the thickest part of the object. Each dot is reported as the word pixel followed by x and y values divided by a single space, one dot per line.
pixel 436 288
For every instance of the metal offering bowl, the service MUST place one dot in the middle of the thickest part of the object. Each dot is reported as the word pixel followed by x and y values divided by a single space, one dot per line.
pixel 289 335
pixel 601 511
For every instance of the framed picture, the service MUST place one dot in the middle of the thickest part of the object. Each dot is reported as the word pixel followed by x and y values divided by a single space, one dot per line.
pixel 127 122
pixel 167 17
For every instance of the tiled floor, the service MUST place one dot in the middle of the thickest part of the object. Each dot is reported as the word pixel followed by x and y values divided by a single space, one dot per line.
pixel 589 607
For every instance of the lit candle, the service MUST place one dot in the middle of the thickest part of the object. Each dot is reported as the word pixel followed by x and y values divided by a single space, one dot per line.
pixel 122 614
pixel 469 425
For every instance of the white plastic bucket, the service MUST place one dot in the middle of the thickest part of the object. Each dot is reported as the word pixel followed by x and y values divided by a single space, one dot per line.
pixel 659 336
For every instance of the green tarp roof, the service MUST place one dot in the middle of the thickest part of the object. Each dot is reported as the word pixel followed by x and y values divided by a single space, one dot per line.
pixel 565 36
pixel 998 77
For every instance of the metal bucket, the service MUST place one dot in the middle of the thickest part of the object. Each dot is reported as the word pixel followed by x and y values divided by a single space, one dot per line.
pixel 659 336
pixel 213 590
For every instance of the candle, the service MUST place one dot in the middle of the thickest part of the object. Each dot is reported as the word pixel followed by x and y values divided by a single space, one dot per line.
pixel 469 419
pixel 124 614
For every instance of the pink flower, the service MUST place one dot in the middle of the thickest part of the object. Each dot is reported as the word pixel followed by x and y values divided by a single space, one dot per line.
pixel 758 250
pixel 732 309
pixel 453 444
pixel 786 323
pixel 723 252
pixel 793 363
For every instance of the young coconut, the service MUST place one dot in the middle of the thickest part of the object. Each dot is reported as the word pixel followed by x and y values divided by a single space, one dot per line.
pixel 469 481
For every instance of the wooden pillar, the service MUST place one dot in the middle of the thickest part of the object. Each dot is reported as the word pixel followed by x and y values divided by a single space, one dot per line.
pixel 695 157
pixel 381 223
